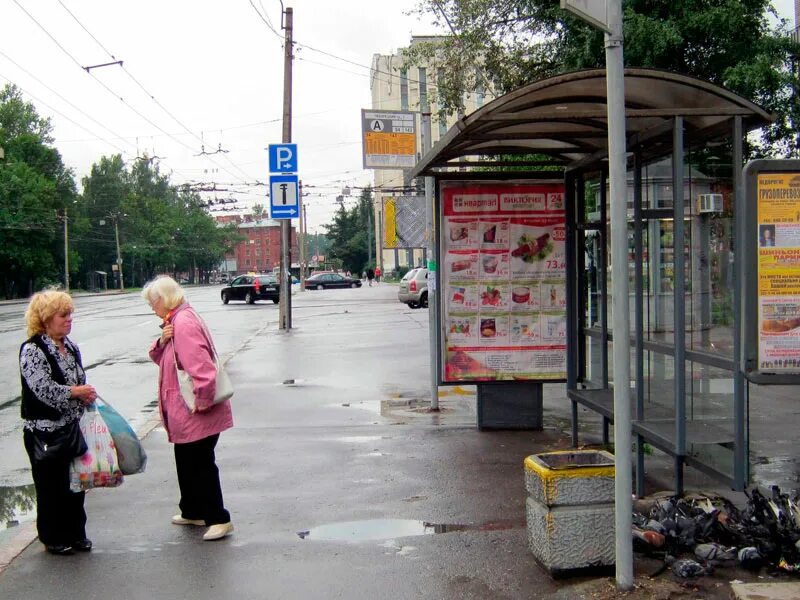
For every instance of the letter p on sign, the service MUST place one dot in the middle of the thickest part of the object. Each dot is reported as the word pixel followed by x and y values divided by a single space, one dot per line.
pixel 283 158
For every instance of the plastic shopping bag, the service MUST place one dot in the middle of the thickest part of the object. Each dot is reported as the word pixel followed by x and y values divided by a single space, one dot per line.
pixel 99 466
pixel 130 453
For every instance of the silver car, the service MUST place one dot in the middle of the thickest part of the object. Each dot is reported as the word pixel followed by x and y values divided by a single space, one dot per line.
pixel 414 288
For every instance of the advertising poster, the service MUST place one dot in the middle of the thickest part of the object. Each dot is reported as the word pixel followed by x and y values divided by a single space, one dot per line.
pixel 504 281
pixel 778 272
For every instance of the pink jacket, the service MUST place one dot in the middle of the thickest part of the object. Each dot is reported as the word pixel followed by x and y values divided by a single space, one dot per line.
pixel 195 355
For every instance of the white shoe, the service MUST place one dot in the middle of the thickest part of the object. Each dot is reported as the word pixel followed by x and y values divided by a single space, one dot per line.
pixel 219 531
pixel 179 520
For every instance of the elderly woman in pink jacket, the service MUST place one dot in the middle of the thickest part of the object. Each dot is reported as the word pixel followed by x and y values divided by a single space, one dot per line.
pixel 193 432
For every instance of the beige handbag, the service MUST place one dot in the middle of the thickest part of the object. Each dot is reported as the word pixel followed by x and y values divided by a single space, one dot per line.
pixel 224 389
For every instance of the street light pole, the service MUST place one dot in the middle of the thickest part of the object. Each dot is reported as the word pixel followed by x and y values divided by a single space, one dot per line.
pixel 119 256
pixel 66 251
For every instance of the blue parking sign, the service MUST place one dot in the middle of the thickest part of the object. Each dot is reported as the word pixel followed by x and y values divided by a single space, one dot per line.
pixel 283 158
pixel 283 196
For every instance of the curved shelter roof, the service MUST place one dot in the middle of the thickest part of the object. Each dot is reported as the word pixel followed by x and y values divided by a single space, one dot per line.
pixel 565 118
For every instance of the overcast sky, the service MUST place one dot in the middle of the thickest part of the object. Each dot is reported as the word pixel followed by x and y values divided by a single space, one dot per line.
pixel 215 70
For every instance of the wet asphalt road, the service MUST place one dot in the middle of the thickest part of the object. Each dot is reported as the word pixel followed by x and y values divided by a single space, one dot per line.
pixel 113 333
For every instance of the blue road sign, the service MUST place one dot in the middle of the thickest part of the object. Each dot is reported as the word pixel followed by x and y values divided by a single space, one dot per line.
pixel 283 197
pixel 283 158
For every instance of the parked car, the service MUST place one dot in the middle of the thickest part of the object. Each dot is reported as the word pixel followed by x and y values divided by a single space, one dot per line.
pixel 250 288
pixel 414 288
pixel 322 281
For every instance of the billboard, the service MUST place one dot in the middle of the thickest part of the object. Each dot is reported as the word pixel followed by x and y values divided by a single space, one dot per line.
pixel 404 222
pixel 502 254
pixel 389 139
pixel 770 285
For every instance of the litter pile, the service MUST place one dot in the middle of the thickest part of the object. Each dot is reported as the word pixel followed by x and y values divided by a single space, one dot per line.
pixel 766 533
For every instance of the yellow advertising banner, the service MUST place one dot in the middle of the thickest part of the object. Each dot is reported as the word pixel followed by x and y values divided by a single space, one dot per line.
pixel 778 214
pixel 389 223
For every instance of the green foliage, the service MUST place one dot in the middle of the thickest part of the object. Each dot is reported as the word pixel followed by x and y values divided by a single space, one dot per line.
pixel 350 234
pixel 732 43
pixel 162 228
pixel 35 191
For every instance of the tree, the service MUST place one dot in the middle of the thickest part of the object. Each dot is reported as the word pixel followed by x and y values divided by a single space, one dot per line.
pixel 349 234
pixel 162 228
pixel 732 43
pixel 36 191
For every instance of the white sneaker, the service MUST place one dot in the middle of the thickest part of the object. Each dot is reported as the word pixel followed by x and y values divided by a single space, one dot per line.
pixel 219 531
pixel 179 520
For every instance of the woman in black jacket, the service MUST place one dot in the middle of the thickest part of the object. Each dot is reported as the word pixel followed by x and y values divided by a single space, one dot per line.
pixel 54 393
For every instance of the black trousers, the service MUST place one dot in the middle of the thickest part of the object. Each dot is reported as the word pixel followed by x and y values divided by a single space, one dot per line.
pixel 198 479
pixel 60 516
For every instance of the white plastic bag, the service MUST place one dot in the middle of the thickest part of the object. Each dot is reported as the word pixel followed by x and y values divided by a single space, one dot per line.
pixel 99 467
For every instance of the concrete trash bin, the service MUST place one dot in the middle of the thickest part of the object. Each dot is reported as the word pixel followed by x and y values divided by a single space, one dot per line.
pixel 570 511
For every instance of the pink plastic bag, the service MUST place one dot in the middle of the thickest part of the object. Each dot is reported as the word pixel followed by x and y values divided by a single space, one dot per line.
pixel 99 467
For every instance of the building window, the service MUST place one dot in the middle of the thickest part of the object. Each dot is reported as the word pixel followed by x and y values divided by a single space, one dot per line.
pixel 403 89
pixel 247 263
pixel 480 89
pixel 258 251
pixel 423 87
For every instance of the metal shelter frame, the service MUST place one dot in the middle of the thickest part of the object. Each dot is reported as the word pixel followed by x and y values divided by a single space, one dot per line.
pixel 563 120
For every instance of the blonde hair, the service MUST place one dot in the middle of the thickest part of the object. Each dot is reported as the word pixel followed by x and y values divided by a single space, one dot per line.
pixel 163 288
pixel 43 307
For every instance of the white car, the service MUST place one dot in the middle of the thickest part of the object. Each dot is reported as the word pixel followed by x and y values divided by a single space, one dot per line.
pixel 414 288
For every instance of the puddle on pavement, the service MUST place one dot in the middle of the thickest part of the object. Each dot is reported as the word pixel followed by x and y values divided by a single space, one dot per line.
pixel 359 439
pixel 387 529
pixel 17 505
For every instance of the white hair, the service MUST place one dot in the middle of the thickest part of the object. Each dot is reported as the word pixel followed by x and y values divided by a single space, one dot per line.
pixel 163 288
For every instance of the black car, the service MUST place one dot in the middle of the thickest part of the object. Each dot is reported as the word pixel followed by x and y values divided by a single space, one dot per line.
pixel 321 281
pixel 251 288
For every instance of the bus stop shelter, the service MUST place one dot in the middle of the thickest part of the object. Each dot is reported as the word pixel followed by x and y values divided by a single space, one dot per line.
pixel 685 199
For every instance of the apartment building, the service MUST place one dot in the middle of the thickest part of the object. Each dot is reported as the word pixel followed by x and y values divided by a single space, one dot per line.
pixel 396 85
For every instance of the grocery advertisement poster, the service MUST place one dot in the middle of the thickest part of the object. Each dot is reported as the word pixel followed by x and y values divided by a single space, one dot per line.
pixel 778 272
pixel 503 274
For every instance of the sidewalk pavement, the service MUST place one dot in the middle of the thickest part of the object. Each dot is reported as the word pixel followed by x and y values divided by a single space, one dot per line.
pixel 341 485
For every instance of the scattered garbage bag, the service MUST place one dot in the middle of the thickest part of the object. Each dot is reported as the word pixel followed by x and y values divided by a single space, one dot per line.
pixel 130 452
pixel 765 533
pixel 686 567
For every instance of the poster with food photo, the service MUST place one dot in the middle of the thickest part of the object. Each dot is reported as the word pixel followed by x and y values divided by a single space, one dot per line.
pixel 525 296
pixel 494 233
pixel 502 251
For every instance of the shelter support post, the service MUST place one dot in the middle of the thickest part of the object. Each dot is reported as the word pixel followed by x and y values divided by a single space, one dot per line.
pixel 679 300
pixel 572 285
pixel 740 461
pixel 638 314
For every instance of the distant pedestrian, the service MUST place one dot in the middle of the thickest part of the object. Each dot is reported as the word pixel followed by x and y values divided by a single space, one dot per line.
pixel 186 344
pixel 378 274
pixel 363 275
pixel 54 394
pixel 370 276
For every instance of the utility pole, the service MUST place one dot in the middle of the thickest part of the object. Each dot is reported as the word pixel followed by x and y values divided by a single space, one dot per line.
pixel 66 251
pixel 285 300
pixel 119 256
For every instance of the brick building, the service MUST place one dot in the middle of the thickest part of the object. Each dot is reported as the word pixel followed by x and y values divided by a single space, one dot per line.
pixel 261 249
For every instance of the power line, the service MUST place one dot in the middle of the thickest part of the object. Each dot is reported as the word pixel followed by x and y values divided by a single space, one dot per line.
pixel 74 122
pixel 106 87
pixel 146 91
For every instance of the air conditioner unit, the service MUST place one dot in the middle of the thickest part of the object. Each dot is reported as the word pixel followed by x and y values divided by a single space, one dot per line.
pixel 709 203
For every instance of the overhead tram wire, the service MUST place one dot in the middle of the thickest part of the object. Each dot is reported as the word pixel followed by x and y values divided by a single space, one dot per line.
pixel 71 120
pixel 79 109
pixel 106 87
pixel 149 94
